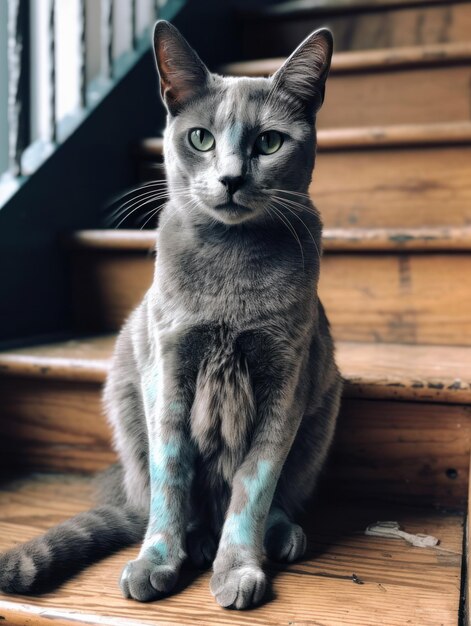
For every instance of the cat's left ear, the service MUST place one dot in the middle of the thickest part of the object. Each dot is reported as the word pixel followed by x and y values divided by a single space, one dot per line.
pixel 304 73
pixel 182 73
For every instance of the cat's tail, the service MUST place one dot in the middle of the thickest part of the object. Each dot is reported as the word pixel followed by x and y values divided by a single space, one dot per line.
pixel 44 562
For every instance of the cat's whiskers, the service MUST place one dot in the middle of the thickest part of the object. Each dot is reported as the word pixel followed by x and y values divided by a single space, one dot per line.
pixel 282 202
pixel 135 189
pixel 131 202
pixel 292 230
pixel 293 193
pixel 154 198
pixel 153 190
pixel 192 203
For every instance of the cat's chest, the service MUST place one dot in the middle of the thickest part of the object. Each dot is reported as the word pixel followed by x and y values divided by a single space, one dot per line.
pixel 235 288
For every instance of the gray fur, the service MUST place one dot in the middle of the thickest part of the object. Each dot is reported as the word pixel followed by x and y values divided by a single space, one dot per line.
pixel 223 393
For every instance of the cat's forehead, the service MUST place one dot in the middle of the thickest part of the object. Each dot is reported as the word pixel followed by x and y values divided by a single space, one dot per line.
pixel 240 101
pixel 238 104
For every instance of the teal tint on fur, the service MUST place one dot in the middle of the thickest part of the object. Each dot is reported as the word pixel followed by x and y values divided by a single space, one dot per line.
pixel 157 550
pixel 269 142
pixel 162 479
pixel 149 388
pixel 240 527
pixel 201 139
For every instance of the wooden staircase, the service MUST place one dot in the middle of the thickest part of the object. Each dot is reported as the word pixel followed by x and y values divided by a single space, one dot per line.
pixel 393 183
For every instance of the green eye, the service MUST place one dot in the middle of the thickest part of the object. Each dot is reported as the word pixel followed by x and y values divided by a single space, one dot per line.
pixel 201 139
pixel 269 142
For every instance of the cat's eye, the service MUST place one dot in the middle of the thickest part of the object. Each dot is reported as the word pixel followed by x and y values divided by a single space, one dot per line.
pixel 201 139
pixel 269 142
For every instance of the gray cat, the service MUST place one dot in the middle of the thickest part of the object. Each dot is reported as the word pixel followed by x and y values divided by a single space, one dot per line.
pixel 223 393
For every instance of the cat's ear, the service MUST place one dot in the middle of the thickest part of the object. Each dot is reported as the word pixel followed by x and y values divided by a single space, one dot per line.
pixel 182 73
pixel 304 73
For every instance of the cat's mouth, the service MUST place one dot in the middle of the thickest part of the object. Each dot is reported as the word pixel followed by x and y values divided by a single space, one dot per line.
pixel 233 207
pixel 232 212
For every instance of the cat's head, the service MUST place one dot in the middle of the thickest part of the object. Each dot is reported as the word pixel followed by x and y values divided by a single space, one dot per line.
pixel 235 146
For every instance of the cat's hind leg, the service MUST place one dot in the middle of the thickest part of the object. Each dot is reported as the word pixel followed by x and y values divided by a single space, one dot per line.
pixel 201 545
pixel 284 540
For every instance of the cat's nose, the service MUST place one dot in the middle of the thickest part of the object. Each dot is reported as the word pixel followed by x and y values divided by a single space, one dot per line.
pixel 232 183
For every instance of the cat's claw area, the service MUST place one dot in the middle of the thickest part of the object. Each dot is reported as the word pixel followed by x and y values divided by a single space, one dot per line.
pixel 285 542
pixel 239 588
pixel 201 547
pixel 143 580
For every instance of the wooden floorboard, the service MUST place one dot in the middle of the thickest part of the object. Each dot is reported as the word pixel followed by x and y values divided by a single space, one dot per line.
pixel 396 584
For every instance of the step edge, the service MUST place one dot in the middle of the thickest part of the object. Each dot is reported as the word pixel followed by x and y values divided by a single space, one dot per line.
pixel 431 239
pixel 395 135
pixel 386 59
pixel 94 371
pixel 276 12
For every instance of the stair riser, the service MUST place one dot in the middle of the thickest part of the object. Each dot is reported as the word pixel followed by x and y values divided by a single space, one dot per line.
pixel 387 95
pixel 388 297
pixel 383 28
pixel 53 425
pixel 402 96
pixel 394 450
pixel 395 187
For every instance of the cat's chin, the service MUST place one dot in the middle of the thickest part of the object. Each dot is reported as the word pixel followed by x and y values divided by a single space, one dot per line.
pixel 231 213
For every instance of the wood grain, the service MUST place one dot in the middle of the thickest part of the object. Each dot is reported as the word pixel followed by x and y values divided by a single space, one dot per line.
pixel 394 187
pixel 400 584
pixel 404 430
pixel 422 373
pixel 356 25
pixel 397 298
pixel 397 295
pixel 53 425
pixel 402 86
pixel 403 451
pixel 437 239
pixel 410 57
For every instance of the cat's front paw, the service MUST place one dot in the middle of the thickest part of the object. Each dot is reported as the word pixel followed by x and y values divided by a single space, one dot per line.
pixel 239 587
pixel 144 580
pixel 285 542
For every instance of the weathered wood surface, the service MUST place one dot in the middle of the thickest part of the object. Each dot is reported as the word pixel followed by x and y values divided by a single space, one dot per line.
pixel 275 30
pixel 395 288
pixel 409 57
pixel 396 583
pixel 392 371
pixel 414 85
pixel 394 187
pixel 404 430
pixel 436 239
pixel 398 298
pixel 53 425
pixel 403 451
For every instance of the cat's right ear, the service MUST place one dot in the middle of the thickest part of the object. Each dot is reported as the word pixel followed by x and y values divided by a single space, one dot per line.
pixel 182 73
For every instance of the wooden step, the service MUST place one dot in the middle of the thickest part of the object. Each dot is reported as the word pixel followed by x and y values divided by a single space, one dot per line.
pixel 383 285
pixel 346 577
pixel 413 85
pixel 403 434
pixel 392 177
pixel 276 29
